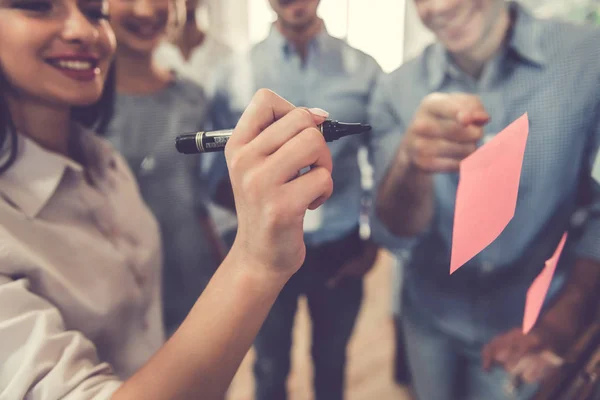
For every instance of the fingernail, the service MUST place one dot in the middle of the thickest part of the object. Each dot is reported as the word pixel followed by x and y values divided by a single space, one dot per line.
pixel 319 112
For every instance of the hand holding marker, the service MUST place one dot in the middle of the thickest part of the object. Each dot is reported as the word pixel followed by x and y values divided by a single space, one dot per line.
pixel 212 141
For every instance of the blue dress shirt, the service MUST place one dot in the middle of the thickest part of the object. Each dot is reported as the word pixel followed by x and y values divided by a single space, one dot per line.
pixel 551 70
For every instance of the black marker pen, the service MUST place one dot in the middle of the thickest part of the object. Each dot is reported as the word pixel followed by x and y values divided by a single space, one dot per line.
pixel 204 142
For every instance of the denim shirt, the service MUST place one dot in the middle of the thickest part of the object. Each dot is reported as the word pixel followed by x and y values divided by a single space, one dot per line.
pixel 551 70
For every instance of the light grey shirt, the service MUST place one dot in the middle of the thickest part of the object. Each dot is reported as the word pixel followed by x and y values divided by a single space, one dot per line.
pixel 143 129
pixel 79 274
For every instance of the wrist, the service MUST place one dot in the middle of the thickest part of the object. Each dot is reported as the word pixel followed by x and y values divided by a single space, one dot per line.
pixel 256 272
pixel 410 167
pixel 559 327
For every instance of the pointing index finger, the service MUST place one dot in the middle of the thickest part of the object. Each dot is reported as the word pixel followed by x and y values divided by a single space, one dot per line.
pixel 463 108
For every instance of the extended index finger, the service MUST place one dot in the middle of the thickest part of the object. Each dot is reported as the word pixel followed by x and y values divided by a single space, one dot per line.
pixel 265 108
pixel 463 108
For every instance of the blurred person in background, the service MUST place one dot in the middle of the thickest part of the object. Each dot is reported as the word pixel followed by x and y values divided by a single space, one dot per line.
pixel 152 106
pixel 492 62
pixel 303 62
pixel 191 50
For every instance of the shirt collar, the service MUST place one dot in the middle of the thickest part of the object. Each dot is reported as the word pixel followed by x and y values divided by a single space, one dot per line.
pixel 321 42
pixel 524 41
pixel 36 173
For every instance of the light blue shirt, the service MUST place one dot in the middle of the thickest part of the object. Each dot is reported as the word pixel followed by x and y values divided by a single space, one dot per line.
pixel 551 70
pixel 334 77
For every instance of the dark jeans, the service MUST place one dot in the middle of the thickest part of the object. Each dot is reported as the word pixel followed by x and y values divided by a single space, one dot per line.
pixel 333 313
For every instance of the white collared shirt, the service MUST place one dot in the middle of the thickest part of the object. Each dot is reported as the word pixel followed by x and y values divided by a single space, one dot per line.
pixel 79 274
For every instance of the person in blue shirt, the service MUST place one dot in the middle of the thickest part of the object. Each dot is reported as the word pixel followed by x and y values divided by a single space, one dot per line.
pixel 492 62
pixel 302 62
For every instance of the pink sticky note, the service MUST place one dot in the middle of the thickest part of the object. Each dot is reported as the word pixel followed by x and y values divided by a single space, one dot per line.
pixel 538 289
pixel 487 192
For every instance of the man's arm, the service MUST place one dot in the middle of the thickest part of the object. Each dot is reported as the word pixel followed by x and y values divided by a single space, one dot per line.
pixel 403 197
pixel 405 185
pixel 444 130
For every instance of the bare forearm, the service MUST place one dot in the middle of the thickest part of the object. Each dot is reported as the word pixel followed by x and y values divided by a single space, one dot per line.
pixel 405 198
pixel 577 300
pixel 201 358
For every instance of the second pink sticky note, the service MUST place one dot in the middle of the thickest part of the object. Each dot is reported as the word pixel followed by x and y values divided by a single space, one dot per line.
pixel 487 191
pixel 538 289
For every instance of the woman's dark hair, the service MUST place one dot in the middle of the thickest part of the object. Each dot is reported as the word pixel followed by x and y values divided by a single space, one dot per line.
pixel 95 116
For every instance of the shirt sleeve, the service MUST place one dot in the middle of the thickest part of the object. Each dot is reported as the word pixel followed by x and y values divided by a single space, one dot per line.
pixel 387 131
pixel 588 245
pixel 39 358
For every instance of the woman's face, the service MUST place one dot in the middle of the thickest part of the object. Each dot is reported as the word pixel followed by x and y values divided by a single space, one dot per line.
pixel 139 25
pixel 56 51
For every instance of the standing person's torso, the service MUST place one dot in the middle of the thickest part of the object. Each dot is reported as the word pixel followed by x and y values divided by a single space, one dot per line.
pixel 334 77
pixel 89 249
pixel 144 128
pixel 548 70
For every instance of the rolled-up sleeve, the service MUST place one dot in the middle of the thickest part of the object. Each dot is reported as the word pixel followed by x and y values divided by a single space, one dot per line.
pixel 588 245
pixel 385 138
pixel 39 358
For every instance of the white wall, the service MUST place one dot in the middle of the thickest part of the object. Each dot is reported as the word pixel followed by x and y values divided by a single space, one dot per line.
pixel 416 36
pixel 229 22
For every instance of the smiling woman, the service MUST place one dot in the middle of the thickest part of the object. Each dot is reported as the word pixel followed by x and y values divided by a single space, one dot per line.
pixel 48 70
pixel 80 253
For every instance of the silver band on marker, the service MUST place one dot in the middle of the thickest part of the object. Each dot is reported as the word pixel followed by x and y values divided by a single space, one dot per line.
pixel 199 145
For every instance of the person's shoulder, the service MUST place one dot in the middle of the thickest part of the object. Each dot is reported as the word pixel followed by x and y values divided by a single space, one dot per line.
pixel 14 251
pixel 411 70
pixel 366 60
pixel 257 50
pixel 109 156
pixel 185 89
pixel 567 39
